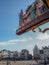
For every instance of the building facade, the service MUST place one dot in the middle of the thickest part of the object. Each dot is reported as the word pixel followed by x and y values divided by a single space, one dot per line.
pixel 41 53
pixel 24 54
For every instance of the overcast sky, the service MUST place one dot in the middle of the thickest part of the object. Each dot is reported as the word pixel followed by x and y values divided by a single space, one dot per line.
pixel 9 11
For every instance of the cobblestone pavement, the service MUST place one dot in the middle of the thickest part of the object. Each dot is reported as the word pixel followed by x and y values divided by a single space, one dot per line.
pixel 19 63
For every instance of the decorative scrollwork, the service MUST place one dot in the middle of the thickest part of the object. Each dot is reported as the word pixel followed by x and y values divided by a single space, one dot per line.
pixel 44 30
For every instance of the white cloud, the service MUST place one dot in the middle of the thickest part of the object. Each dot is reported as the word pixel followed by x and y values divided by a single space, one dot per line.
pixel 43 36
pixel 2 43
pixel 29 47
pixel 15 41
pixel 20 40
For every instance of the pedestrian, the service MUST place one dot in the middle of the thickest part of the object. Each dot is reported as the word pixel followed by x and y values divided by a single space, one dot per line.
pixel 45 62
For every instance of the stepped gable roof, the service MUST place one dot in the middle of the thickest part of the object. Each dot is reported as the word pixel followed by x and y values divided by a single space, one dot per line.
pixel 45 47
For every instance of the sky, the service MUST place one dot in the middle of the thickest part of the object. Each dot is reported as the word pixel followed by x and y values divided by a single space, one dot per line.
pixel 9 23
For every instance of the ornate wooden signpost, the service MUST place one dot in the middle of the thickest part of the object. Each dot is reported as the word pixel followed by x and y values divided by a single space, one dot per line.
pixel 36 15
